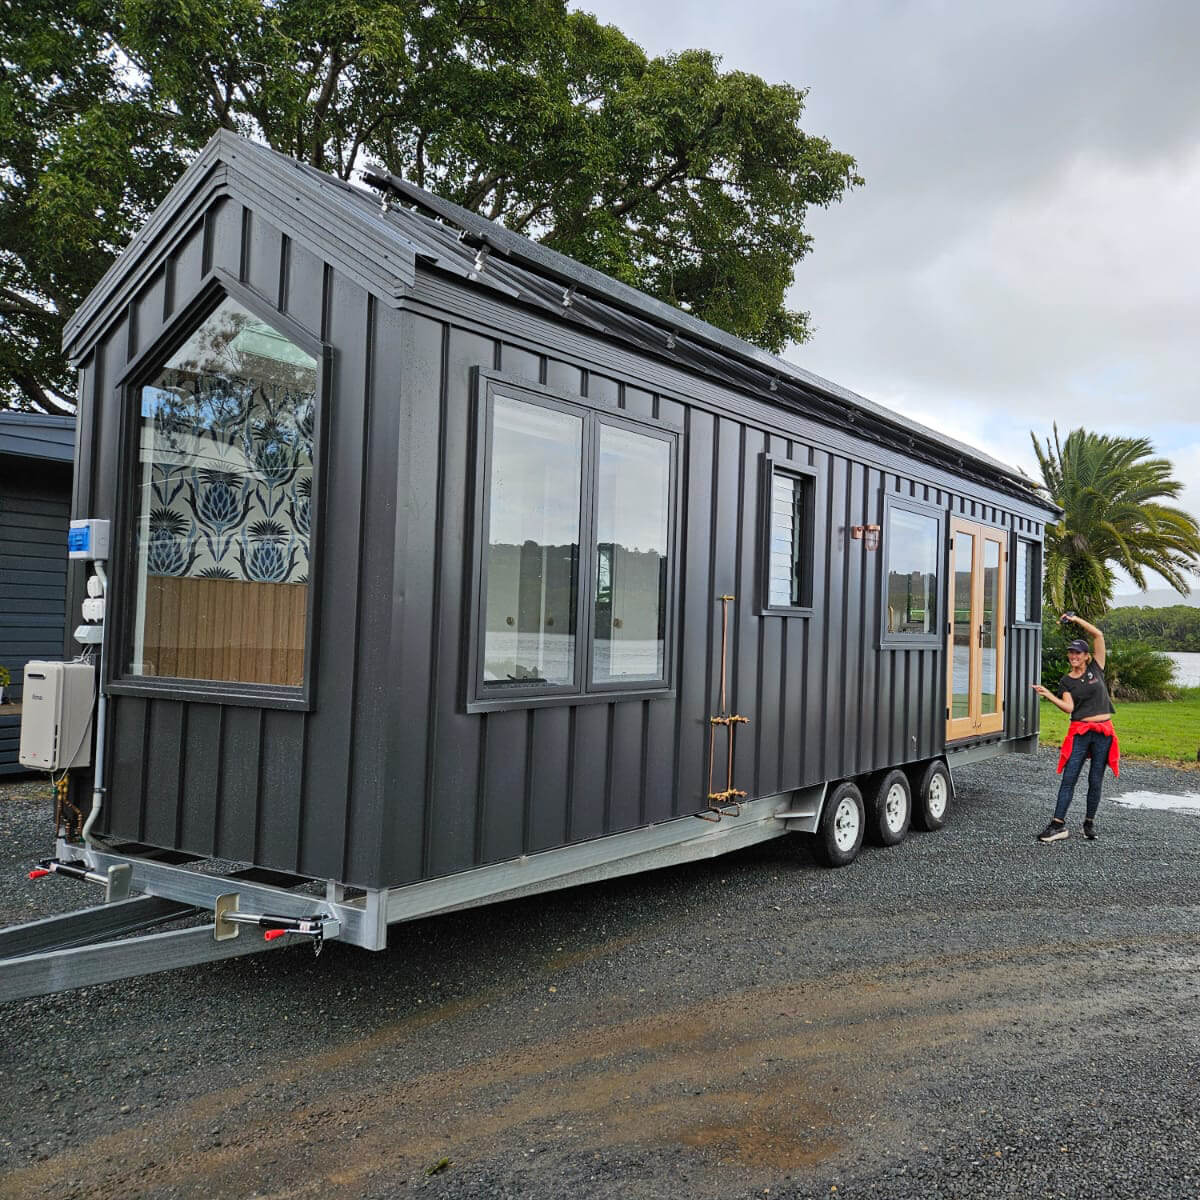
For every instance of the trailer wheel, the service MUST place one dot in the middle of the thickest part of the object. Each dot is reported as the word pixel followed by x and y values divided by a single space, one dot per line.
pixel 933 797
pixel 891 814
pixel 840 834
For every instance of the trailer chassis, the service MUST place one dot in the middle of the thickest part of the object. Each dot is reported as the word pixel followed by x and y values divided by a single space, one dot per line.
pixel 108 942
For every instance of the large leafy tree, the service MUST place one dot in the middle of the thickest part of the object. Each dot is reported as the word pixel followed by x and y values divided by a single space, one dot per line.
pixel 674 176
pixel 1116 513
pixel 84 153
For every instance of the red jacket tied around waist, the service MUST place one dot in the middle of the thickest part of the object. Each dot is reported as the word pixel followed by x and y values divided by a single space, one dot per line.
pixel 1105 727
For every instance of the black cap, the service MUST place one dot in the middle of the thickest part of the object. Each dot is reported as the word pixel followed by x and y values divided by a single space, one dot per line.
pixel 1078 644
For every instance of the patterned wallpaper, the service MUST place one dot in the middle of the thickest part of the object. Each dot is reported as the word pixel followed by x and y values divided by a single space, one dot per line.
pixel 227 463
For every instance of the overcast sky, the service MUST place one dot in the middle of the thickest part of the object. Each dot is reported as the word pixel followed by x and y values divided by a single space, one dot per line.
pixel 1027 246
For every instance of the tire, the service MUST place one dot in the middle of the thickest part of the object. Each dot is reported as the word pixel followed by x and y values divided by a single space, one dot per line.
pixel 839 837
pixel 933 797
pixel 891 813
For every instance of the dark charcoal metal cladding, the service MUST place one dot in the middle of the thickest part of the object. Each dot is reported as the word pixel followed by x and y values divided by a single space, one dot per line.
pixel 379 772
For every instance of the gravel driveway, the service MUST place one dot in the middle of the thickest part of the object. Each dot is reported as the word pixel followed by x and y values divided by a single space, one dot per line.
pixel 969 1014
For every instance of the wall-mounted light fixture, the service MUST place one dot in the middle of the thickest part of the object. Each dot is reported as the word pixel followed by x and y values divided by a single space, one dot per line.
pixel 868 534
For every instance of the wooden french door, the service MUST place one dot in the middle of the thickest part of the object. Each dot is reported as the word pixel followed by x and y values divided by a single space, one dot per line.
pixel 975 642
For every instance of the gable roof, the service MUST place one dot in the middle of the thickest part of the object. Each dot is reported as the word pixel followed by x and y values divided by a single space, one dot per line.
pixel 37 435
pixel 380 245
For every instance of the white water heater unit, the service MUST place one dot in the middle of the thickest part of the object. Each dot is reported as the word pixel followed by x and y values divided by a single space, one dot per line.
pixel 56 715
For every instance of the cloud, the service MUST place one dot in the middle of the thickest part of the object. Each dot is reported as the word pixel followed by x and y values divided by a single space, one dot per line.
pixel 1078 298
pixel 1024 250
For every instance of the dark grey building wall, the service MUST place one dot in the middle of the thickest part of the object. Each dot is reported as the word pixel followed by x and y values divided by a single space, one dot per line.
pixel 823 700
pixel 299 791
pixel 388 779
pixel 34 505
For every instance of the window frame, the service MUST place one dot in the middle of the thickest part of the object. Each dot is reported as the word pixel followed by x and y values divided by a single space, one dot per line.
pixel 1035 547
pixel 594 414
pixel 218 286
pixel 935 639
pixel 769 467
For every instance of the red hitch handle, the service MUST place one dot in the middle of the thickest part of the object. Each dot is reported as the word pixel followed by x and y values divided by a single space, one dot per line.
pixel 272 934
pixel 38 872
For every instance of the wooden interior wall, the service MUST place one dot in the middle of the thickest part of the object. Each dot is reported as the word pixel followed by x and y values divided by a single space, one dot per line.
pixel 229 629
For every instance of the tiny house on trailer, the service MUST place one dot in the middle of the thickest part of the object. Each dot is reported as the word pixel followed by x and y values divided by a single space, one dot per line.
pixel 445 569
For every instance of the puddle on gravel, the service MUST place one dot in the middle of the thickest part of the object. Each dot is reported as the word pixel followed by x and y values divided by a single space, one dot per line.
pixel 1187 802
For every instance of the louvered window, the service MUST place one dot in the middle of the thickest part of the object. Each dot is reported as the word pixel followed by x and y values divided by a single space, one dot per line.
pixel 789 558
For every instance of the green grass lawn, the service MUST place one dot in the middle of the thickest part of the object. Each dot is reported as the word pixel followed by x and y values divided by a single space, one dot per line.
pixel 1164 730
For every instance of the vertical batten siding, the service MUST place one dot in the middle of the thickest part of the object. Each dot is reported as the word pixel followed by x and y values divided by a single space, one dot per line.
pixel 201 767
pixel 853 648
pixel 187 267
pixel 408 765
pixel 223 237
pixel 747 699
pixel 625 773
pixel 238 790
pixel 282 772
pixel 870 601
pixel 696 607
pixel 804 760
pixel 832 694
pixel 232 780
pixel 453 789
pixel 129 730
pixel 164 776
pixel 388 779
pixel 324 822
pixel 771 727
pixel 375 705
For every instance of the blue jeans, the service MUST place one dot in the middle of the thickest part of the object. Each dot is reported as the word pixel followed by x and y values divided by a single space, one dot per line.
pixel 1093 743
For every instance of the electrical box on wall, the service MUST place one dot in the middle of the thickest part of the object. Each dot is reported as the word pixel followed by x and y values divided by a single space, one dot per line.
pixel 56 715
pixel 88 539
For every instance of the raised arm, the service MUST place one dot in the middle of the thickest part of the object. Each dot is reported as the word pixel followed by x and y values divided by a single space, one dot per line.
pixel 1099 649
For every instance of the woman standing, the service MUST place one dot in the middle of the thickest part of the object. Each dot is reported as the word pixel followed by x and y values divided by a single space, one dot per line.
pixel 1084 698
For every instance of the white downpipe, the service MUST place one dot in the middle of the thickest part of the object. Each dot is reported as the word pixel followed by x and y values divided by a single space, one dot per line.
pixel 101 708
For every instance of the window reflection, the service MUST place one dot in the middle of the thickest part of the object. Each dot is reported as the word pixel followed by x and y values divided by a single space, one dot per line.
pixel 1027 600
pixel 964 581
pixel 988 634
pixel 1021 599
pixel 633 507
pixel 225 466
pixel 533 545
pixel 912 546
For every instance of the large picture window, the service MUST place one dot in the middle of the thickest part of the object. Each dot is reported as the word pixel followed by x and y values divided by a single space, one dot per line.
pixel 633 526
pixel 576 550
pixel 222 506
pixel 533 546
pixel 912 549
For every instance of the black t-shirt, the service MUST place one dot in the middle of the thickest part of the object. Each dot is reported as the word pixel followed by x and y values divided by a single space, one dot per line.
pixel 1090 692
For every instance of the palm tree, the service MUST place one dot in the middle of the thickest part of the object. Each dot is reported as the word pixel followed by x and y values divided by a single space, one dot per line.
pixel 1111 491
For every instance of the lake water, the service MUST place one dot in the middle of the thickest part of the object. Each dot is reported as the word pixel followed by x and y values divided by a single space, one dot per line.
pixel 1187 669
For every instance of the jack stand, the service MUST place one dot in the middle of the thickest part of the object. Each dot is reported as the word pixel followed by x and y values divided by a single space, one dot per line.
pixel 227 922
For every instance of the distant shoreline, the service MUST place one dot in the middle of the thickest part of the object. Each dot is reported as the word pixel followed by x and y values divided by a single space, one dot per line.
pixel 1157 598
